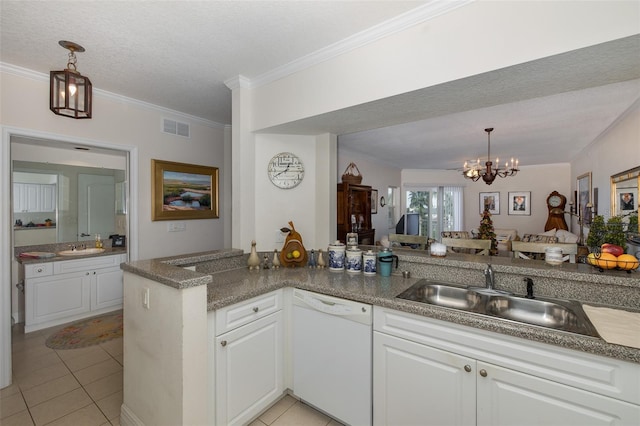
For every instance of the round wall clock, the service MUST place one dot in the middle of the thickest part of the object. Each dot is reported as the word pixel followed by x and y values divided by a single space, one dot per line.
pixel 285 170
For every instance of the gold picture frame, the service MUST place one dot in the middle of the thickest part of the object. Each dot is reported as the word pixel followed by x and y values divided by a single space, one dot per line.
pixel 182 191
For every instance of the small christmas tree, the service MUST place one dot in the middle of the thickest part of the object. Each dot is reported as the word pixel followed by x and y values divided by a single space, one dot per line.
pixel 485 231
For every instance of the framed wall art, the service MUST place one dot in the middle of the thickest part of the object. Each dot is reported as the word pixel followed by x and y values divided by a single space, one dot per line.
pixel 520 203
pixel 374 201
pixel 583 188
pixel 490 201
pixel 183 191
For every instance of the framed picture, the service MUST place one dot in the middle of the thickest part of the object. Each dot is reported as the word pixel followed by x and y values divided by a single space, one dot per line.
pixel 183 191
pixel 626 200
pixel 490 201
pixel 374 201
pixel 520 203
pixel 583 187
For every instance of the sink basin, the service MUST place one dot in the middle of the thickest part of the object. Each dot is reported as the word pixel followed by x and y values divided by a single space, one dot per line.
pixel 558 314
pixel 443 295
pixel 80 252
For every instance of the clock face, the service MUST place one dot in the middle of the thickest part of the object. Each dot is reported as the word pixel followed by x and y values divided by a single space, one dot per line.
pixel 285 170
pixel 555 201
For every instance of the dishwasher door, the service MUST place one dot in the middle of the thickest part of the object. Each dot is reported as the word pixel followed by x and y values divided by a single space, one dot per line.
pixel 332 356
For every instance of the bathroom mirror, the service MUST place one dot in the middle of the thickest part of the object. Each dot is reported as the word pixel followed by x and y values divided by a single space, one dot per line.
pixel 624 192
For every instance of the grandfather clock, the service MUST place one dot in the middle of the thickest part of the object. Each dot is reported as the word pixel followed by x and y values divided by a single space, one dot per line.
pixel 556 203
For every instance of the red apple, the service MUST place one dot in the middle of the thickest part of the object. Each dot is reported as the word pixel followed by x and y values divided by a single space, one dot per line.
pixel 612 248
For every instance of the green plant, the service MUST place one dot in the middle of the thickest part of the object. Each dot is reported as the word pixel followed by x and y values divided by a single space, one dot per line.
pixel 597 232
pixel 615 232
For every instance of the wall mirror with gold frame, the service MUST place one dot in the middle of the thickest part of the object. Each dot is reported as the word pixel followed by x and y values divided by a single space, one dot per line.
pixel 624 192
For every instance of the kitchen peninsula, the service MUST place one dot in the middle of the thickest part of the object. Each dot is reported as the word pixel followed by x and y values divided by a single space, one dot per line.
pixel 172 308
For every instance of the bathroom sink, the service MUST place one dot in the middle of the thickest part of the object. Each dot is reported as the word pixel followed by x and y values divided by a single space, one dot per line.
pixel 558 314
pixel 443 295
pixel 80 252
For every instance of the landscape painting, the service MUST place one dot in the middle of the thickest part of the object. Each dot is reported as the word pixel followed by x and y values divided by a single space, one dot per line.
pixel 184 191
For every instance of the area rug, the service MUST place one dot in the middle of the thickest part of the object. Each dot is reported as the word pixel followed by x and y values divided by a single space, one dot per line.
pixel 87 332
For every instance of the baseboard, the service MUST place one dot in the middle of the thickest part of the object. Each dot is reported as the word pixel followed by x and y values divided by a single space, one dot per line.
pixel 128 418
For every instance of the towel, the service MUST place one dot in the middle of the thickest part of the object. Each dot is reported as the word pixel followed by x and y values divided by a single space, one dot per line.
pixel 615 325
pixel 37 255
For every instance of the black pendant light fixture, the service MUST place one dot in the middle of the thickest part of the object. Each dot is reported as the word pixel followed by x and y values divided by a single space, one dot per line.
pixel 70 92
pixel 488 173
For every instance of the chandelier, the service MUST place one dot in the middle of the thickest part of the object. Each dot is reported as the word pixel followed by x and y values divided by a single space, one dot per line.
pixel 70 92
pixel 488 174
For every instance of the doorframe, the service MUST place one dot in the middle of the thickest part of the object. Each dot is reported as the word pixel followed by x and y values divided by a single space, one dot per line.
pixel 6 248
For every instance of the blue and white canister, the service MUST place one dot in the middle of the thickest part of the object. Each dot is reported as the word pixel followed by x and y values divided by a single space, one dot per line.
pixel 336 256
pixel 354 260
pixel 369 262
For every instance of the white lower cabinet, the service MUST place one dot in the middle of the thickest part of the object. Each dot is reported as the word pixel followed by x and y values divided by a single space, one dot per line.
pixel 427 372
pixel 249 358
pixel 58 292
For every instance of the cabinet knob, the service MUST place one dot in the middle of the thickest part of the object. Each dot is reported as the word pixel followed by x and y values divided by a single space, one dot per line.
pixel 256 309
pixel 39 270
pixel 467 368
pixel 223 343
pixel 483 372
pixel 87 273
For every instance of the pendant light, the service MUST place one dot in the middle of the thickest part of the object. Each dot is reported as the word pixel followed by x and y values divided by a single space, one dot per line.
pixel 70 92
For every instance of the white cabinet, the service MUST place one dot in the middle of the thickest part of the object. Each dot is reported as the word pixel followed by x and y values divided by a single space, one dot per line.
pixel 434 373
pixel 249 354
pixel 34 197
pixel 63 291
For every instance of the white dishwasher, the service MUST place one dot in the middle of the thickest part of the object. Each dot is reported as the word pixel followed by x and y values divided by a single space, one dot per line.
pixel 332 347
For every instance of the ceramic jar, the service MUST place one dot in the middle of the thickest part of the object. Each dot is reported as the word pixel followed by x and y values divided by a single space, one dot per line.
pixel 336 256
pixel 369 263
pixel 354 260
pixel 553 255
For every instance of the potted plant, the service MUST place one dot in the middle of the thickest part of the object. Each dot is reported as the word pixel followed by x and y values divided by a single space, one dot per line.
pixel 48 222
pixel 597 234
pixel 615 232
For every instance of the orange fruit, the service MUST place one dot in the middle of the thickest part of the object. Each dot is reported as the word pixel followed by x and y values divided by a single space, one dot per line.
pixel 627 262
pixel 606 261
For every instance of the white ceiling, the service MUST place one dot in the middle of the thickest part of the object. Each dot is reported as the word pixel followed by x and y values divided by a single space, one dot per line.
pixel 178 54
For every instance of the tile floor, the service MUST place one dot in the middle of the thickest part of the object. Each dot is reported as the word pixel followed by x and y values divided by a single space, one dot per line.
pixel 84 387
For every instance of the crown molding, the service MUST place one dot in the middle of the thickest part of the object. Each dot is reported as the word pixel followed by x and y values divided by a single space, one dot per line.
pixel 400 23
pixel 38 76
pixel 238 82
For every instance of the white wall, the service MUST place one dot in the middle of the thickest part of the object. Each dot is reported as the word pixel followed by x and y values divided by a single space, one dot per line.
pixel 616 150
pixel 25 105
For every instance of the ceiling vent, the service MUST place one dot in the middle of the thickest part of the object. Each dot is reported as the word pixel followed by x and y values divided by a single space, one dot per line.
pixel 175 128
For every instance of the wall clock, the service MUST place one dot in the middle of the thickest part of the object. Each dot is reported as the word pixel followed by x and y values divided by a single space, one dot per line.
pixel 556 203
pixel 285 170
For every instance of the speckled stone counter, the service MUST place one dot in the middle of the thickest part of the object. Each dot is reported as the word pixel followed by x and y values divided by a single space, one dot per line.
pixel 229 281
pixel 56 247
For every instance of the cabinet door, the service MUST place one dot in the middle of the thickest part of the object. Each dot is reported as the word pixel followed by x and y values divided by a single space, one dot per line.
pixel 249 369
pixel 507 397
pixel 47 198
pixel 18 198
pixel 106 288
pixel 32 197
pixel 56 297
pixel 414 384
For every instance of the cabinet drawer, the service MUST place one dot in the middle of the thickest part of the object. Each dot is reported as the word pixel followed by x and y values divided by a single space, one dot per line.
pixel 38 270
pixel 242 313
pixel 78 265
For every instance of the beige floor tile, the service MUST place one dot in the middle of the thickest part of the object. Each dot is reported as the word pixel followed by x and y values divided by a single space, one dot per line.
pixel 11 405
pixel 42 375
pixel 98 371
pixel 334 423
pixel 114 422
pixel 68 354
pixel 302 415
pixel 50 389
pixel 105 386
pixel 120 359
pixel 9 390
pixel 110 406
pixel 28 343
pixel 113 347
pixel 24 366
pixel 23 418
pixel 277 409
pixel 60 406
pixel 86 416
pixel 257 422
pixel 87 360
pixel 30 353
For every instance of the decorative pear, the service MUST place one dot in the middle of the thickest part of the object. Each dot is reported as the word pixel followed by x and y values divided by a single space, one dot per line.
pixel 254 261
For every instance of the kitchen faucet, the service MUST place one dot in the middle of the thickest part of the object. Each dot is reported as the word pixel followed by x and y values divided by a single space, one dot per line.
pixel 489 277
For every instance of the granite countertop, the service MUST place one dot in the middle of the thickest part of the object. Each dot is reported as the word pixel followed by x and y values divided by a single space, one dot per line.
pixel 108 251
pixel 237 283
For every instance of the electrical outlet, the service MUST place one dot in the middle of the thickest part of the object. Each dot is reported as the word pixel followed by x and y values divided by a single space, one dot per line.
pixel 279 236
pixel 176 226
pixel 145 298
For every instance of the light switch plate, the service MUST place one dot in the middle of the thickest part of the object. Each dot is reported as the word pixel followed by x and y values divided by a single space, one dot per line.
pixel 176 226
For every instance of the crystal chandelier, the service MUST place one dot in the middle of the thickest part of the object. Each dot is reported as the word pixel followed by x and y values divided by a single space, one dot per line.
pixel 488 174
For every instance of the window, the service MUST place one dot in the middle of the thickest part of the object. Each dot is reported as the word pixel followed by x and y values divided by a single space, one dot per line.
pixel 433 210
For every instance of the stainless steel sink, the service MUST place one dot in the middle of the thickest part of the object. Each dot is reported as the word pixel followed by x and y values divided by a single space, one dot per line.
pixel 558 314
